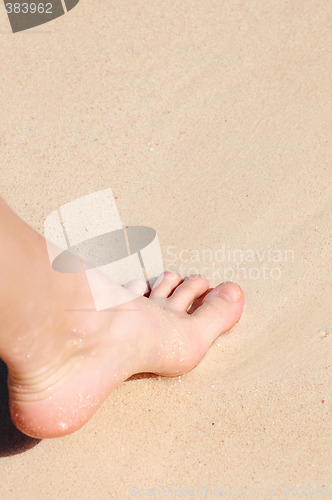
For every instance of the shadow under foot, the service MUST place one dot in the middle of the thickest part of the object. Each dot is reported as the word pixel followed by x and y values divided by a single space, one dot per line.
pixel 12 441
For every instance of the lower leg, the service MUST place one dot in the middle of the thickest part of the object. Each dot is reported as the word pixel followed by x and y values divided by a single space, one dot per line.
pixel 29 288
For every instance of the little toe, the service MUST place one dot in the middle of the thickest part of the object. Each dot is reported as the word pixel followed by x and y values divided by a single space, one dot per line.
pixel 165 285
pixel 191 288
pixel 220 310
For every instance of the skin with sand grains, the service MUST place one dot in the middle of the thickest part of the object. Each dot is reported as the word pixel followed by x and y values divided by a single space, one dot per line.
pixel 58 377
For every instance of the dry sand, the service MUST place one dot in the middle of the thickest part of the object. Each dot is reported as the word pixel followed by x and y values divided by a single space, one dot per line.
pixel 211 122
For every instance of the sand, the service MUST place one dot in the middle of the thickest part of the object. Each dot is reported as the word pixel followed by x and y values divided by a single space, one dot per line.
pixel 211 123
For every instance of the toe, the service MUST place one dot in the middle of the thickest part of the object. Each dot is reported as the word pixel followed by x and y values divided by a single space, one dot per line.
pixel 165 285
pixel 191 288
pixel 219 311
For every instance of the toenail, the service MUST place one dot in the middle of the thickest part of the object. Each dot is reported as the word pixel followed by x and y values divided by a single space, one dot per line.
pixel 231 291
pixel 196 277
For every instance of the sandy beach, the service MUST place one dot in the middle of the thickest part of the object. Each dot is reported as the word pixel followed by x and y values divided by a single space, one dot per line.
pixel 211 123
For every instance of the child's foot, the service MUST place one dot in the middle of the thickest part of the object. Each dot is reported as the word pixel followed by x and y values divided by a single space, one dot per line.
pixel 66 362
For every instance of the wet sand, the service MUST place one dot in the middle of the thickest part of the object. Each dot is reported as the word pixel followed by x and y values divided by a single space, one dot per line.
pixel 211 124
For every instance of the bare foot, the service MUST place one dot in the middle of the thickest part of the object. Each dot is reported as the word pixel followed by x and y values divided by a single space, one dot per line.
pixel 66 365
pixel 64 357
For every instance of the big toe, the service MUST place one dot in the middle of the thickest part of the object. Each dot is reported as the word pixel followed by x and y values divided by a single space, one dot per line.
pixel 220 309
